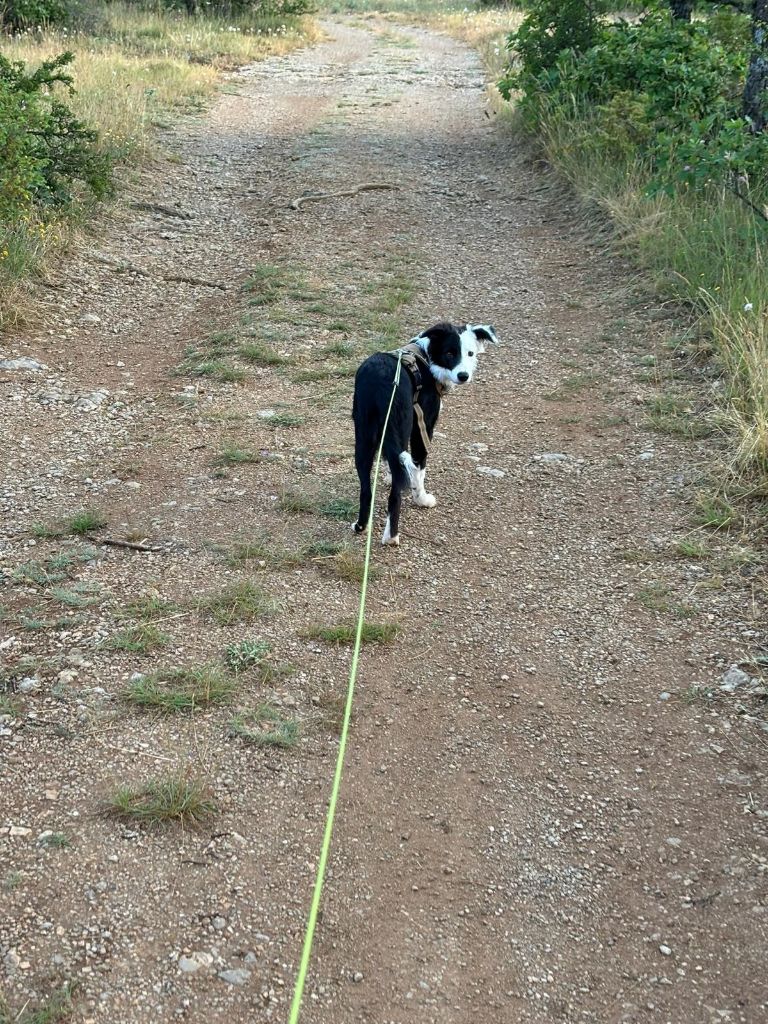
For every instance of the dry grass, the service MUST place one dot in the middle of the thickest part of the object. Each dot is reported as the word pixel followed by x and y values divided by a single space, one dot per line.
pixel 133 70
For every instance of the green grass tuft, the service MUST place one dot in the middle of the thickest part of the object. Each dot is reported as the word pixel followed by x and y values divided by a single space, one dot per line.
pixel 233 455
pixel 85 522
pixel 140 638
pixel 150 607
pixel 261 354
pixel 181 689
pixel 240 602
pixel 175 798
pixel 344 633
pixel 715 512
pixel 265 727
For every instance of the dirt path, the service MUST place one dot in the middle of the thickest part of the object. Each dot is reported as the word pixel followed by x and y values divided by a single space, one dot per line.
pixel 551 812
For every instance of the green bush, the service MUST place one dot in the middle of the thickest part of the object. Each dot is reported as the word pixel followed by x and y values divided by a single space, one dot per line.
pixel 18 15
pixel 664 88
pixel 232 8
pixel 46 153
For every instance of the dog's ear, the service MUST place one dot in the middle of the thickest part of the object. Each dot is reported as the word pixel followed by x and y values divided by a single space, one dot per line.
pixel 483 333
pixel 433 336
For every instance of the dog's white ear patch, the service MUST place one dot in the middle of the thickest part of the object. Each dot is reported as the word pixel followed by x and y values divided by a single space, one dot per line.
pixel 484 332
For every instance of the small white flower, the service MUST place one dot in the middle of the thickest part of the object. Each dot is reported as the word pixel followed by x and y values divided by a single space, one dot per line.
pixel 748 307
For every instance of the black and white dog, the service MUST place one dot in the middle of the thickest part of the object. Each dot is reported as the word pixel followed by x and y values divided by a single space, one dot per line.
pixel 434 362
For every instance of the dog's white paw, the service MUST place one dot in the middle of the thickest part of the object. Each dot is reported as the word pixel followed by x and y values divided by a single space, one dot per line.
pixel 357 529
pixel 424 500
pixel 388 539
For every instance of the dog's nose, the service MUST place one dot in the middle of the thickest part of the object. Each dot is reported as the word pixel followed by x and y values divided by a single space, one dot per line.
pixel 462 377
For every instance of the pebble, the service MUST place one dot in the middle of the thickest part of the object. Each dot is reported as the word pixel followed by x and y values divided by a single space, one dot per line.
pixel 665 950
pixel 490 471
pixel 235 976
pixel 193 962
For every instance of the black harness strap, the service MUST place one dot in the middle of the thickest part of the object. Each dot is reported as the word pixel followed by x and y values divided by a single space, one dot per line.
pixel 414 360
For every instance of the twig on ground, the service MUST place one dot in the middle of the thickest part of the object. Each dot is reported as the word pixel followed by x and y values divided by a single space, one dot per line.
pixel 367 186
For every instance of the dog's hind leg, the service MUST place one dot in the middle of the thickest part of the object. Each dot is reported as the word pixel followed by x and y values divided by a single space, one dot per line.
pixel 363 464
pixel 400 481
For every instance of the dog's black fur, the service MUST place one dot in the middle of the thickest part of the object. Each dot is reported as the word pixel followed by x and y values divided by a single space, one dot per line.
pixel 447 353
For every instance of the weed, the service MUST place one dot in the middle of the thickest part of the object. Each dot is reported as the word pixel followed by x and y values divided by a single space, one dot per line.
pixel 175 798
pixel 12 881
pixel 232 455
pixel 345 565
pixel 86 522
pixel 54 841
pixel 714 512
pixel 339 348
pixel 150 607
pixel 240 602
pixel 296 501
pixel 638 556
pixel 692 548
pixel 656 597
pixel 261 354
pixel 345 633
pixel 172 690
pixel 48 531
pixel 323 548
pixel 217 370
pixel 266 283
pixel 339 508
pixel 246 654
pixel 10 707
pixel 140 638
pixel 257 549
pixel 696 693
pixel 285 419
pixel 265 727
pixel 670 415
pixel 76 597
pixel 571 386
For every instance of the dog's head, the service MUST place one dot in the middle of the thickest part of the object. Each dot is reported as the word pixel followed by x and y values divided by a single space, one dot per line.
pixel 453 349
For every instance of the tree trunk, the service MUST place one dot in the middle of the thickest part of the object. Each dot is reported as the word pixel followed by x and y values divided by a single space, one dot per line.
pixel 681 9
pixel 756 87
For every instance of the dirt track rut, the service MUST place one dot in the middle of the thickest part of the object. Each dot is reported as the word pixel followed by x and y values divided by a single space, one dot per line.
pixel 537 823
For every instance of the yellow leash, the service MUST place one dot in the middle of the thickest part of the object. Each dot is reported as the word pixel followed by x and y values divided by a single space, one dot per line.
pixel 306 952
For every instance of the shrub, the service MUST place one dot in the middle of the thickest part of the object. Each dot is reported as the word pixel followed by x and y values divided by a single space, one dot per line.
pixel 664 87
pixel 18 15
pixel 45 151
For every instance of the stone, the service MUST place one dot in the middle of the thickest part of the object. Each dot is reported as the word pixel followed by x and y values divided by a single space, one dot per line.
pixel 21 363
pixel 665 950
pixel 235 976
pixel 490 471
pixel 734 678
pixel 193 962
pixel 91 401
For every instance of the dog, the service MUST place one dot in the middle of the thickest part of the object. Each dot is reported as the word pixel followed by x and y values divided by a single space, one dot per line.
pixel 434 362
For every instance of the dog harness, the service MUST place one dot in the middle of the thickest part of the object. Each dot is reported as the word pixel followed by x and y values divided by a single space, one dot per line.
pixel 414 360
